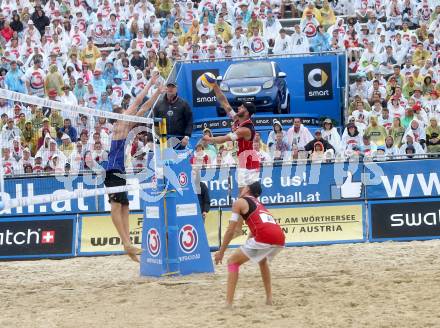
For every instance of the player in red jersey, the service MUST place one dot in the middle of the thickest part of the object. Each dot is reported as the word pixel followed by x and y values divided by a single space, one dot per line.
pixel 266 239
pixel 243 132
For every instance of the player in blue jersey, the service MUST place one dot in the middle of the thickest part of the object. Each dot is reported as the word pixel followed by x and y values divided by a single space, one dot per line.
pixel 115 172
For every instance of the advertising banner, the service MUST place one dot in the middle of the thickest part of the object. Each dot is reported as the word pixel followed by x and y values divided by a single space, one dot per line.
pixel 154 246
pixel 180 245
pixel 98 235
pixel 318 81
pixel 38 237
pixel 259 121
pixel 303 183
pixel 32 186
pixel 203 96
pixel 406 179
pixel 289 183
pixel 313 82
pixel 303 225
pixel 404 220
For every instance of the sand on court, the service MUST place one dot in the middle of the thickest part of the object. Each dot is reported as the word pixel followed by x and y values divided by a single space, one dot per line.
pixel 351 285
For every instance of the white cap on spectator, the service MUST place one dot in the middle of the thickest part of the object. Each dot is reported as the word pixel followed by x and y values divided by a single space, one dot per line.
pixel 65 137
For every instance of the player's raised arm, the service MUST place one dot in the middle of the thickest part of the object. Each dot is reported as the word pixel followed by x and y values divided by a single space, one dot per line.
pixel 132 109
pixel 233 136
pixel 150 102
pixel 221 98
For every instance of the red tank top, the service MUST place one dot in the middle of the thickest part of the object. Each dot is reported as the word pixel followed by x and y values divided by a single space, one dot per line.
pixel 262 224
pixel 250 159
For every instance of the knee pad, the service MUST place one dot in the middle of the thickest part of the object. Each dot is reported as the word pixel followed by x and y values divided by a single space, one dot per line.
pixel 233 267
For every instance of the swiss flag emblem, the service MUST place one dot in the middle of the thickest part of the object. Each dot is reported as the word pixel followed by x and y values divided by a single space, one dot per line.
pixel 48 237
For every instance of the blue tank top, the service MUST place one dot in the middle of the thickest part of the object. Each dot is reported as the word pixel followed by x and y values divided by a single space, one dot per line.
pixel 116 156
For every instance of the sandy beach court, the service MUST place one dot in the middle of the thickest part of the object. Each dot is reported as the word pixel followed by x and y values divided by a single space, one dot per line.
pixel 352 285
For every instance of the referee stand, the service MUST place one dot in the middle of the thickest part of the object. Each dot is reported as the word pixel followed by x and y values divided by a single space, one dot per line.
pixel 174 240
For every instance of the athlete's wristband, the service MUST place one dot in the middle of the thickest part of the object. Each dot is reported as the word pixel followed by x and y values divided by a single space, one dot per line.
pixel 233 136
pixel 234 217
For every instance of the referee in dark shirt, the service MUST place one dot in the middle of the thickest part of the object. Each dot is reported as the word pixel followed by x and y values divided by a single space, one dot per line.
pixel 178 114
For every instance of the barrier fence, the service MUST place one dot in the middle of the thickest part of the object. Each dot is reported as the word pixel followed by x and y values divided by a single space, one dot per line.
pixel 313 203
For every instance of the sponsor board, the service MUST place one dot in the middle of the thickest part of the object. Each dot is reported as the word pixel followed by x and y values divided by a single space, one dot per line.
pixel 34 237
pixel 259 121
pixel 318 83
pixel 36 186
pixel 404 220
pixel 99 235
pixel 303 225
pixel 282 184
pixel 202 94
pixel 311 183
pixel 327 99
pixel 308 183
pixel 406 179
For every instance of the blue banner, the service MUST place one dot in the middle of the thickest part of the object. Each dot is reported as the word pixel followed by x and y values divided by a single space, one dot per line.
pixel 406 179
pixel 307 183
pixel 174 237
pixel 312 82
pixel 301 183
pixel 28 187
pixel 282 184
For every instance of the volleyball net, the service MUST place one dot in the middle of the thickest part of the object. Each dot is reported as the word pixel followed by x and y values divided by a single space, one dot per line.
pixel 52 152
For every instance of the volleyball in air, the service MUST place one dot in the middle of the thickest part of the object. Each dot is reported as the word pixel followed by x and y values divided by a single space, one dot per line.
pixel 208 79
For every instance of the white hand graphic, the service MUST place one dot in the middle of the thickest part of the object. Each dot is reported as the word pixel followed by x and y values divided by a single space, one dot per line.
pixel 350 189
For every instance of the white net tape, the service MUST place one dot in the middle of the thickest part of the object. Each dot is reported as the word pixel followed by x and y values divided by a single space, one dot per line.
pixel 15 96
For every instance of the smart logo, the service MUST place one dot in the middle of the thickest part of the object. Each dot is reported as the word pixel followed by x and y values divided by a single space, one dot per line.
pixel 153 242
pixel 188 238
pixel 202 95
pixel 201 87
pixel 317 78
pixel 318 81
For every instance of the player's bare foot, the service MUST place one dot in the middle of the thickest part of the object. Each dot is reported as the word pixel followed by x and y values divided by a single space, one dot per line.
pixel 132 252
pixel 269 301
pixel 228 306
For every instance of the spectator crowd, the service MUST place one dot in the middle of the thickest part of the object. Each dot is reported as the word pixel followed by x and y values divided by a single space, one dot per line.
pixel 102 53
